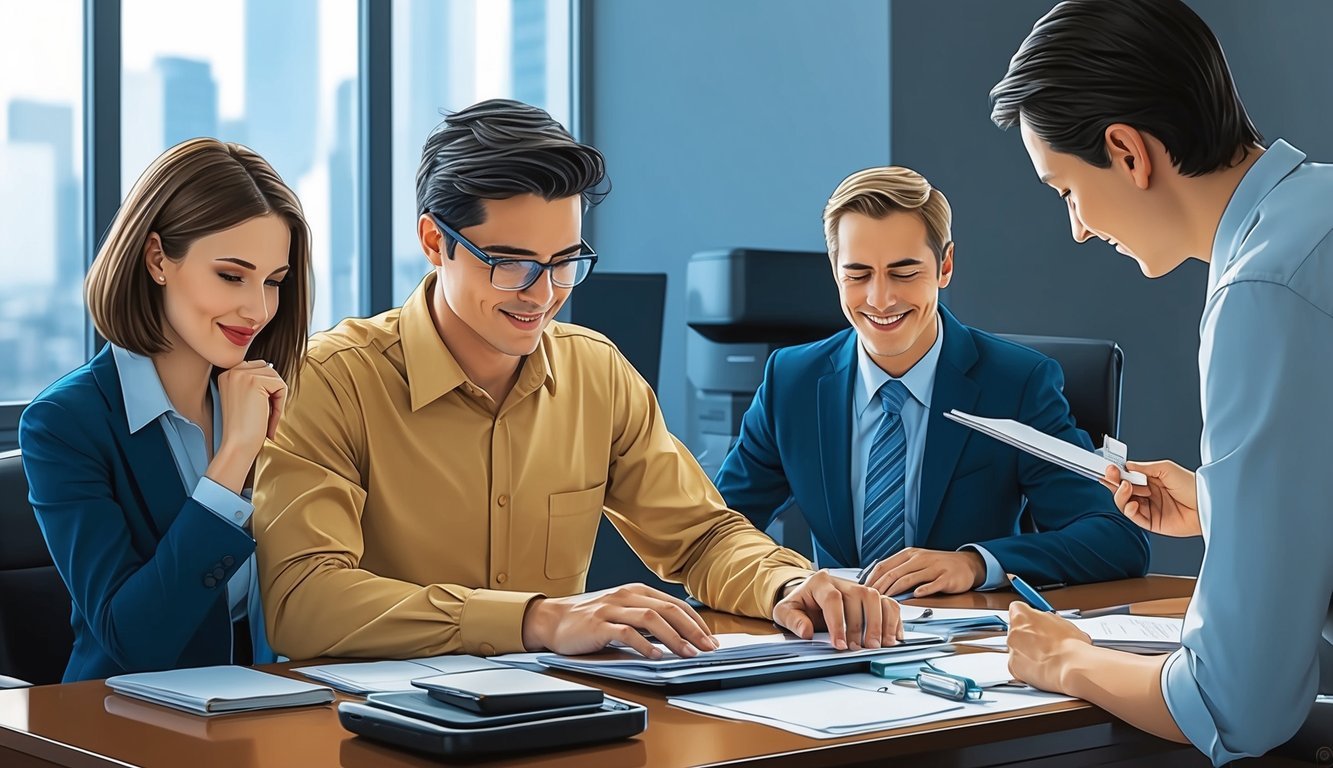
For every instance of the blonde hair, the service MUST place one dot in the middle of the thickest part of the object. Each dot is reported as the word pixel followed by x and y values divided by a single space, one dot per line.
pixel 877 192
pixel 195 189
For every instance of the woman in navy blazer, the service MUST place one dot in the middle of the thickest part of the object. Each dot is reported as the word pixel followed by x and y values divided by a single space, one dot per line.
pixel 139 462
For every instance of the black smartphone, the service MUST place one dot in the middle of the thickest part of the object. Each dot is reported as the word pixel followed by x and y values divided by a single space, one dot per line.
pixel 503 691
pixel 420 705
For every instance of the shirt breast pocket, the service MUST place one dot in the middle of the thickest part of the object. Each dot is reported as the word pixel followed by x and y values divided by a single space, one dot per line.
pixel 572 530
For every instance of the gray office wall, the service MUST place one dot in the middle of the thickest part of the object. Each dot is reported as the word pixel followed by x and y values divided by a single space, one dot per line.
pixel 728 123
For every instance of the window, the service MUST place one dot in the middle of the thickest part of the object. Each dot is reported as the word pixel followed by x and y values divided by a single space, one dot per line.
pixel 448 54
pixel 41 196
pixel 279 77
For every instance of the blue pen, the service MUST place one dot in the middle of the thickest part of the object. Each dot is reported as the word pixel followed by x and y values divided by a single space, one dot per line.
pixel 1029 594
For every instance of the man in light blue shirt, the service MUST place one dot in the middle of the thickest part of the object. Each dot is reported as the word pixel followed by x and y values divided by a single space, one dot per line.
pixel 1127 109
pixel 852 429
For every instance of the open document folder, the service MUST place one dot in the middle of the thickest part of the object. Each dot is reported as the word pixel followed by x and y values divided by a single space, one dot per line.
pixel 1044 446
pixel 743 660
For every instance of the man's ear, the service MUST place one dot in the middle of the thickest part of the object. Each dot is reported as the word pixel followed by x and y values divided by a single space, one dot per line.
pixel 432 241
pixel 1127 148
pixel 946 266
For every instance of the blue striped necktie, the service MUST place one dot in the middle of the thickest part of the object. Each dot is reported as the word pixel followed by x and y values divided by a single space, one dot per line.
pixel 884 532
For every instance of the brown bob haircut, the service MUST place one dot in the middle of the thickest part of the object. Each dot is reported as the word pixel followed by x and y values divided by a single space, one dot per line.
pixel 198 188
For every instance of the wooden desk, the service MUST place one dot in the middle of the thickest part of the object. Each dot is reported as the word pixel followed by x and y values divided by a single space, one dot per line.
pixel 84 724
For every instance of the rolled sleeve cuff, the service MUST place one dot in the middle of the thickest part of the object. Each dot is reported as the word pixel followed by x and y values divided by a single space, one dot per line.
pixel 774 583
pixel 1185 702
pixel 994 573
pixel 223 503
pixel 492 621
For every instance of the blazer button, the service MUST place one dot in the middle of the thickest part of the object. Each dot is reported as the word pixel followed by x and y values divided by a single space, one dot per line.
pixel 227 561
pixel 218 573
pixel 210 582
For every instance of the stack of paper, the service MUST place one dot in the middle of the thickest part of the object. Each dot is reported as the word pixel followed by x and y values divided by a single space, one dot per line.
pixel 1136 634
pixel 738 652
pixel 831 707
pixel 214 690
pixel 365 677
pixel 1044 446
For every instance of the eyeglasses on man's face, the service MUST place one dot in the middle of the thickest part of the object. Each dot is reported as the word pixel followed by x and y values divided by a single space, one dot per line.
pixel 509 274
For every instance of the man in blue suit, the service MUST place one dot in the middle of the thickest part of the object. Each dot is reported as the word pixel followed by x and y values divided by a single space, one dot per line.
pixel 852 430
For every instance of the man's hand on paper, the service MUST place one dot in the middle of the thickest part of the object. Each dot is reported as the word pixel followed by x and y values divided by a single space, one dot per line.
pixel 577 625
pixel 1041 647
pixel 1168 504
pixel 928 572
pixel 855 616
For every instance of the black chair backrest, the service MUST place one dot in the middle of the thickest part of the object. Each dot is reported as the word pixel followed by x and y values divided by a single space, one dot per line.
pixel 35 636
pixel 627 307
pixel 1092 370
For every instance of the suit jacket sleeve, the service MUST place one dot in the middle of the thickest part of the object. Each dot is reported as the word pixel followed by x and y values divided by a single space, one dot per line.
pixel 752 478
pixel 1081 536
pixel 143 612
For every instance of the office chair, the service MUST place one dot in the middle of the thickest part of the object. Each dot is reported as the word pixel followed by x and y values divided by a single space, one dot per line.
pixel 35 635
pixel 628 309
pixel 1092 370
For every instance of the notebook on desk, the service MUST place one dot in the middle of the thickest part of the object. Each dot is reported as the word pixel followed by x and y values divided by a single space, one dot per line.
pixel 218 690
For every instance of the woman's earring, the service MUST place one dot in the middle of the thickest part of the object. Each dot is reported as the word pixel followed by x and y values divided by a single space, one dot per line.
pixel 161 278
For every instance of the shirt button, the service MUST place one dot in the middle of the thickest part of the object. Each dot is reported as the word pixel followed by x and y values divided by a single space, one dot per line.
pixel 503 500
pixel 487 649
pixel 501 578
pixel 238 515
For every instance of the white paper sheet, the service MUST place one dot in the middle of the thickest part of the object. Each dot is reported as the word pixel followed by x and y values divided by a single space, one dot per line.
pixel 1023 437
pixel 1135 634
pixel 866 703
pixel 985 669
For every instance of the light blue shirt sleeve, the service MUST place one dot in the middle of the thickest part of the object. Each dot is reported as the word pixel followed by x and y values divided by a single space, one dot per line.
pixel 222 502
pixel 1246 676
pixel 994 573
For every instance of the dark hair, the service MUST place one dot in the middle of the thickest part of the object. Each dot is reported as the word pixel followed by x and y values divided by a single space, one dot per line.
pixel 1151 64
pixel 499 149
pixel 198 188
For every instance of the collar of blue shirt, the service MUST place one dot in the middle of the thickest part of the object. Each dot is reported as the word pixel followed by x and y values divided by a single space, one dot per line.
pixel 141 387
pixel 1268 171
pixel 919 379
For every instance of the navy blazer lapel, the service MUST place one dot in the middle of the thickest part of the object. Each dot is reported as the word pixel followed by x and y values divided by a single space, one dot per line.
pixel 151 468
pixel 835 449
pixel 944 438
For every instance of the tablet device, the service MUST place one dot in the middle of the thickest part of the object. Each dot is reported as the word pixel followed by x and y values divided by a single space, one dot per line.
pixel 614 720
pixel 420 705
pixel 502 691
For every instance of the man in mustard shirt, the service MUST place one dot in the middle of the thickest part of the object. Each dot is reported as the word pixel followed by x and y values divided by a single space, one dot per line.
pixel 437 480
